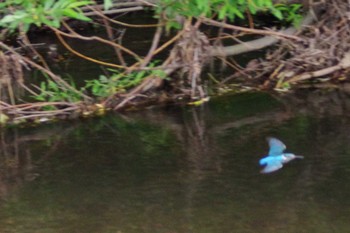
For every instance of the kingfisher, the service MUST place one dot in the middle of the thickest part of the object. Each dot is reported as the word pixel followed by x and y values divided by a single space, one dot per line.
pixel 276 157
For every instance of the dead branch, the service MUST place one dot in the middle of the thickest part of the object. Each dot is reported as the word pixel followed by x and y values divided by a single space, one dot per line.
pixel 260 43
pixel 153 48
pixel 249 30
pixel 343 64
pixel 75 35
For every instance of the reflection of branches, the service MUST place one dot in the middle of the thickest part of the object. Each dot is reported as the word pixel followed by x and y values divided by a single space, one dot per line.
pixel 55 146
pixel 318 103
pixel 278 116
pixel 16 162
pixel 196 139
pixel 326 110
pixel 13 165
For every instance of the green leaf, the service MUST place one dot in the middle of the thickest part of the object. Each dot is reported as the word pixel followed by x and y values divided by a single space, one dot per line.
pixel 76 15
pixel 44 20
pixel 107 4
pixel 140 75
pixel 238 13
pixel 222 12
pixel 70 13
pixel 48 4
pixel 268 3
pixel 53 86
pixel 39 98
pixel 160 74
pixel 277 13
pixel 13 18
pixel 252 9
pixel 26 27
pixel 103 79
pixel 79 4
pixel 18 1
pixel 43 86
pixel 55 23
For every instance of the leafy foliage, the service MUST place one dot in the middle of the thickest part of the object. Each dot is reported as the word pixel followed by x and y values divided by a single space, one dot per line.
pixel 40 12
pixel 291 13
pixel 50 91
pixel 222 9
pixel 24 13
pixel 119 82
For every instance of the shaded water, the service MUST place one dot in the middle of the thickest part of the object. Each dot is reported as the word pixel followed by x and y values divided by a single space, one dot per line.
pixel 182 170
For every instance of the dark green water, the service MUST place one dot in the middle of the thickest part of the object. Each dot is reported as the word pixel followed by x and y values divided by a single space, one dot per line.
pixel 180 170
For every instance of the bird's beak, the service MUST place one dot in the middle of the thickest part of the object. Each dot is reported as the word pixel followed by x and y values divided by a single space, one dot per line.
pixel 299 156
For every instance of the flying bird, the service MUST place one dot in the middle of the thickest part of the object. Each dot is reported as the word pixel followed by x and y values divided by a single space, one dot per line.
pixel 276 157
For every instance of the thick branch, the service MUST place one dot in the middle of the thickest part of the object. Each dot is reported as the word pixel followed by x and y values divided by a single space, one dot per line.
pixel 260 43
pixel 343 64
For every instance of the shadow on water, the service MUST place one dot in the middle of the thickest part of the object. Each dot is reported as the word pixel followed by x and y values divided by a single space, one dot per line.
pixel 182 169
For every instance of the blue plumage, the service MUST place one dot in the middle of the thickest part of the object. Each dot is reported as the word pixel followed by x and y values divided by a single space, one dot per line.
pixel 276 147
pixel 276 156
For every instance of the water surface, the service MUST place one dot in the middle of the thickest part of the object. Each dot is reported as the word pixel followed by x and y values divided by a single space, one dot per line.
pixel 182 169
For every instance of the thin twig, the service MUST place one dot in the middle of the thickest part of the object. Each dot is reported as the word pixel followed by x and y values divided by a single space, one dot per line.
pixel 86 57
pixel 125 24
pixel 56 78
pixel 153 48
pixel 78 36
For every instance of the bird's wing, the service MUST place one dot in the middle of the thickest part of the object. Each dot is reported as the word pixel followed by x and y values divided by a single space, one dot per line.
pixel 276 146
pixel 272 166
